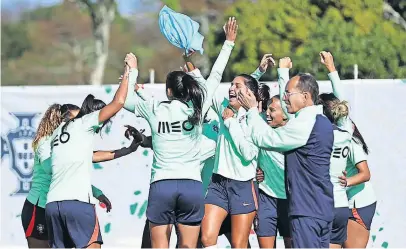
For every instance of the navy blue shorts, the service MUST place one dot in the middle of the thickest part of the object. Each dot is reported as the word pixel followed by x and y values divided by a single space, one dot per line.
pixel 272 216
pixel 236 197
pixel 339 229
pixel 72 224
pixel 364 215
pixel 309 232
pixel 176 201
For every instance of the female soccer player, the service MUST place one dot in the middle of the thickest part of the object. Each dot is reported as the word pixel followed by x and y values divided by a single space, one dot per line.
pixel 232 190
pixel 175 194
pixel 359 190
pixel 70 214
pixel 338 162
pixel 33 214
pixel 338 113
pixel 272 212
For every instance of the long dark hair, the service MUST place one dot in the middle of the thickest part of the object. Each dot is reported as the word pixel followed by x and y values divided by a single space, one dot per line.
pixel 264 95
pixel 66 110
pixel 357 137
pixel 185 88
pixel 89 105
pixel 252 84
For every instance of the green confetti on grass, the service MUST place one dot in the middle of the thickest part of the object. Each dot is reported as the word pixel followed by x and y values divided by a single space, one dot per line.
pixel 373 238
pixel 138 192
pixel 143 209
pixel 380 229
pixel 145 153
pixel 97 166
pixel 18 215
pixel 107 228
pixel 133 208
pixel 108 89
pixel 385 244
pixel 377 213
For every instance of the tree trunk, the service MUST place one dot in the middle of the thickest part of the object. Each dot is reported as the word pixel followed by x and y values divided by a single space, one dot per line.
pixel 102 14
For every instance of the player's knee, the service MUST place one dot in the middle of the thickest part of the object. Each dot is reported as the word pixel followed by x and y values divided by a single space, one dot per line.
pixel 208 239
pixel 239 242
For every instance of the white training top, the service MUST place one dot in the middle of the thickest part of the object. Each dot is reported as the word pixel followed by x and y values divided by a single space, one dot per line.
pixel 175 141
pixel 338 162
pixel 72 153
pixel 236 155
pixel 363 194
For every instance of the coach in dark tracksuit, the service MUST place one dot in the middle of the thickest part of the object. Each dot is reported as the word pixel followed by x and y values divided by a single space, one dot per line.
pixel 307 142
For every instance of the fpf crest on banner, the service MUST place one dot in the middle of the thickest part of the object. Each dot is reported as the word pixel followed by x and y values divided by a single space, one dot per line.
pixel 17 145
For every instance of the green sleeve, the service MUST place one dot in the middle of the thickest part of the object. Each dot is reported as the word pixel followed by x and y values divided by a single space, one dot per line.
pixel 336 84
pixel 283 78
pixel 293 135
pixel 96 192
pixel 131 99
pixel 257 74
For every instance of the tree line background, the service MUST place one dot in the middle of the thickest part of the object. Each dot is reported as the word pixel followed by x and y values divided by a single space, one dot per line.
pixel 84 41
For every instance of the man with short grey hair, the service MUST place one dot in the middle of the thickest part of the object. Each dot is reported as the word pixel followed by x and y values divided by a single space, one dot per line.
pixel 307 142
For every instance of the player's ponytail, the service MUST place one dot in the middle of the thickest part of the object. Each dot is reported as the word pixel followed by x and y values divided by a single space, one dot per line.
pixel 357 137
pixel 185 88
pixel 339 110
pixel 50 121
pixel 66 111
pixel 89 105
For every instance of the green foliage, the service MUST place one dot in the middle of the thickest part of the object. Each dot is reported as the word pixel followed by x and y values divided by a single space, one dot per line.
pixel 173 4
pixel 14 40
pixel 354 31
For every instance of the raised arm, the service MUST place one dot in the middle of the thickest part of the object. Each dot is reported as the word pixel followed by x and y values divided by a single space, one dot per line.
pixel 326 58
pixel 263 66
pixel 216 74
pixel 283 77
pixel 119 98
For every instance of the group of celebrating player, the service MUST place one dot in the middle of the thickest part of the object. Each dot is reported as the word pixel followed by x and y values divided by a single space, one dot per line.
pixel 294 162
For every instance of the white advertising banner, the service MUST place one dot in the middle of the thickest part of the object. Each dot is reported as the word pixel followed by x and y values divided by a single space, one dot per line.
pixel 377 107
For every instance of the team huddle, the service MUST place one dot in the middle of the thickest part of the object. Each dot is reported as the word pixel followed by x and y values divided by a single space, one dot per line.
pixel 293 163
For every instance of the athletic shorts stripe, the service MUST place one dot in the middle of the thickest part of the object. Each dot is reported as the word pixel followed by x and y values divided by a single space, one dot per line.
pixel 363 215
pixel 358 218
pixel 254 194
pixel 28 233
pixel 96 230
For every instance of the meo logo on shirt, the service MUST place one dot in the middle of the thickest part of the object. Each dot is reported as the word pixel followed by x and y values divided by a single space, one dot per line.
pixel 174 127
